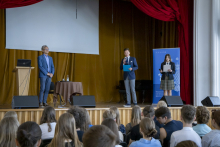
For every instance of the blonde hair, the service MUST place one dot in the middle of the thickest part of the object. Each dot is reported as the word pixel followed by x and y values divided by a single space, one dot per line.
pixel 65 129
pixel 8 129
pixel 147 126
pixel 109 114
pixel 11 114
pixel 161 104
pixel 135 115
pixel 115 110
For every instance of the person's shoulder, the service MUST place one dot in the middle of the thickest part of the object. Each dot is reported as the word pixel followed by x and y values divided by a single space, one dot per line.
pixel 134 144
pixel 155 141
pixel 40 56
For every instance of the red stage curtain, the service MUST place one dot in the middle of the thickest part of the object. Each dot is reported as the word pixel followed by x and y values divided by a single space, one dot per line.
pixel 16 3
pixel 182 12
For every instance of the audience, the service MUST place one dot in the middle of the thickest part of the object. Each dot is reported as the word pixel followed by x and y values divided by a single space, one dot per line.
pixel 11 114
pixel 160 104
pixel 88 121
pixel 164 117
pixel 65 133
pixel 202 118
pixel 187 143
pixel 110 123
pixel 8 129
pixel 99 136
pixel 135 118
pixel 149 112
pixel 212 138
pixel 28 135
pixel 147 129
pixel 120 126
pixel 48 123
pixel 188 113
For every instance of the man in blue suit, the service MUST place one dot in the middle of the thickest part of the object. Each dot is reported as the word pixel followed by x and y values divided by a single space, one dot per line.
pixel 46 68
pixel 129 77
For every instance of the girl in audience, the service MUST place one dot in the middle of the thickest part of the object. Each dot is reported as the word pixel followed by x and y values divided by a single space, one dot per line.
pixel 202 118
pixel 29 135
pixel 120 126
pixel 48 123
pixel 65 132
pixel 87 123
pixel 11 114
pixel 8 128
pixel 212 138
pixel 110 123
pixel 187 143
pixel 147 129
pixel 135 118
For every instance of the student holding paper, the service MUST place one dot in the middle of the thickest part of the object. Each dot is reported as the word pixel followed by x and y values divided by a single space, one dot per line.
pixel 167 70
pixel 129 65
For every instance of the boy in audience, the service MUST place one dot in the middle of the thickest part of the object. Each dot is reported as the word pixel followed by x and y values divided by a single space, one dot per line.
pixel 188 113
pixel 164 117
pixel 99 136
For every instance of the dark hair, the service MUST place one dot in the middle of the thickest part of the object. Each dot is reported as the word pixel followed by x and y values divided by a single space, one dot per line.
pixel 126 49
pixel 162 112
pixel 166 57
pixel 216 116
pixel 79 115
pixel 188 113
pixel 187 143
pixel 28 134
pixel 111 124
pixel 147 126
pixel 48 117
pixel 148 111
pixel 202 115
pixel 87 122
pixel 99 136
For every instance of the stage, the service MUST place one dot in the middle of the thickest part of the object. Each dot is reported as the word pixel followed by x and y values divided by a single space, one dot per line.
pixel 95 113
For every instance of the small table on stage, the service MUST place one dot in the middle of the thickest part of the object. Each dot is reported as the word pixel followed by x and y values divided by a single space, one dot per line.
pixel 66 89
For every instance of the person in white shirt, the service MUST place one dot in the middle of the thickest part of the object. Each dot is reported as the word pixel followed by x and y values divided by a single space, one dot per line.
pixel 188 113
pixel 48 123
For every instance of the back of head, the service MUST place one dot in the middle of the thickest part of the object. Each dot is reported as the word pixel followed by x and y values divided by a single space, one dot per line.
pixel 115 110
pixel 202 115
pixel 111 124
pixel 8 129
pixel 187 143
pixel 161 104
pixel 188 113
pixel 162 112
pixel 28 134
pixel 135 115
pixel 148 111
pixel 48 117
pixel 11 114
pixel 85 127
pixel 109 114
pixel 216 116
pixel 99 136
pixel 147 126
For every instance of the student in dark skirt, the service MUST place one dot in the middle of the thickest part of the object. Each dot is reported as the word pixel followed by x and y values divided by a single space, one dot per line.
pixel 167 80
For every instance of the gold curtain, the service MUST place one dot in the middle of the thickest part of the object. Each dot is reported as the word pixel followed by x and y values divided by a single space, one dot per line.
pixel 99 74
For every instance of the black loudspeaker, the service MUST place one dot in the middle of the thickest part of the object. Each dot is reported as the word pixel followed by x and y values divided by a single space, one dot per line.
pixel 211 101
pixel 172 101
pixel 83 101
pixel 25 102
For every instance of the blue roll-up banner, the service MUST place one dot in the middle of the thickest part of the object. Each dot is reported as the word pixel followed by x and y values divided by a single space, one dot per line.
pixel 158 58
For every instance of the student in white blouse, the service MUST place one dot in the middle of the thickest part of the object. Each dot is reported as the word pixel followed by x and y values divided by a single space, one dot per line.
pixel 48 123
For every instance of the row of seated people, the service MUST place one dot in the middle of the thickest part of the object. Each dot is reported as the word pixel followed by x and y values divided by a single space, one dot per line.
pixel 147 128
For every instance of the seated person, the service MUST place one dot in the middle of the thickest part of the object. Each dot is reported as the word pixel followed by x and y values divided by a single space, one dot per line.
pixel 188 113
pixel 160 104
pixel 147 129
pixel 164 117
pixel 202 118
pixel 187 143
pixel 11 114
pixel 212 138
pixel 99 136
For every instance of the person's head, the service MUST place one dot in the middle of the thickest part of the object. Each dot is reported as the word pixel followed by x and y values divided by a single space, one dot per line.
pixel 163 114
pixel 11 114
pixel 135 115
pixel 8 129
pixel 161 104
pixel 147 127
pixel 45 49
pixel 99 136
pixel 148 111
pixel 48 117
pixel 29 135
pixel 188 113
pixel 79 115
pixel 65 130
pixel 216 119
pixel 202 115
pixel 88 121
pixel 109 114
pixel 186 143
pixel 167 58
pixel 116 111
pixel 126 52
pixel 110 123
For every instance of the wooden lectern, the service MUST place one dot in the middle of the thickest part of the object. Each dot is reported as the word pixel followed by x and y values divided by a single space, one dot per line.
pixel 22 79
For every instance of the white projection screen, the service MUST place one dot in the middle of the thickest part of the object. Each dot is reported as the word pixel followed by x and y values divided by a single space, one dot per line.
pixel 70 26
